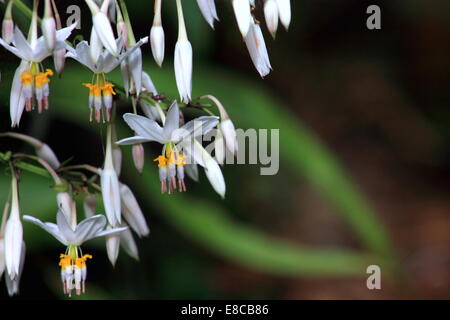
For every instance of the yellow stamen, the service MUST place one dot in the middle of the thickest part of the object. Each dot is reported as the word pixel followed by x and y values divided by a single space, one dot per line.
pixel 81 262
pixel 65 261
pixel 108 89
pixel 42 78
pixel 180 160
pixel 162 161
pixel 27 77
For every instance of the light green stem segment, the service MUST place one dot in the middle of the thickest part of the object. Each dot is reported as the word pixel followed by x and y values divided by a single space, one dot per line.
pixel 182 34
pixel 8 12
pixel 126 17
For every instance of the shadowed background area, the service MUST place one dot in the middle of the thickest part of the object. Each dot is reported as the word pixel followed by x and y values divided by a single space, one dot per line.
pixel 364 128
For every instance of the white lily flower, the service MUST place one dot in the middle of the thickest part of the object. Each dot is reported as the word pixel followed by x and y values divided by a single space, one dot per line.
pixel 132 212
pixel 258 51
pixel 284 8
pixel 157 40
pixel 209 12
pixel 31 81
pixel 103 27
pixel 243 14
pixel 13 235
pixel 271 16
pixel 183 59
pixel 171 162
pixel 110 186
pixel 101 91
pixel 73 262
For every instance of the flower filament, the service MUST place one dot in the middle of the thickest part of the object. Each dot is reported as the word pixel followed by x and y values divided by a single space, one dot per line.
pixel 171 166
pixel 101 94
pixel 35 81
pixel 73 270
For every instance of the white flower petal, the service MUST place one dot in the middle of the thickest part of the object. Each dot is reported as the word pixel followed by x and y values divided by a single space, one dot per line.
pixel 195 128
pixel 284 8
pixel 129 245
pixel 132 212
pixel 105 33
pixel 112 247
pixel 49 227
pixel 64 228
pixel 271 15
pixel 89 228
pixel 158 44
pixel 132 140
pixel 17 98
pixel 243 15
pixel 208 9
pixel 257 49
pixel 111 196
pixel 172 122
pixel 145 127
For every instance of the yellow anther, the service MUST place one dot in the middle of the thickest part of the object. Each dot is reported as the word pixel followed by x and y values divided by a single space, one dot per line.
pixel 65 261
pixel 27 78
pixel 180 160
pixel 42 78
pixel 162 161
pixel 171 157
pixel 108 89
pixel 81 262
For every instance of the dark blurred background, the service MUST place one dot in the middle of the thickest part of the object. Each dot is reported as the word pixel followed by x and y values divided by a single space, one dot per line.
pixel 379 101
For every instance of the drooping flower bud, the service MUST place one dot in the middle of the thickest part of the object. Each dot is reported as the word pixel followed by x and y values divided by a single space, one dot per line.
pixel 258 51
pixel 183 59
pixel 243 15
pixel 8 24
pixel 284 9
pixel 271 16
pixel 48 26
pixel 138 157
pixel 157 40
pixel 132 212
pixel 209 12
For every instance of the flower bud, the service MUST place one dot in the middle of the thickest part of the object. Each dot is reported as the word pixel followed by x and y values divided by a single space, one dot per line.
pixel 229 133
pixel 219 147
pixel 271 15
pixel 258 51
pixel 59 60
pixel 243 15
pixel 138 157
pixel 284 9
pixel 112 247
pixel 13 236
pixel 132 212
pixel 46 153
pixel 8 30
pixel 158 43
pixel 208 9
pixel 183 69
pixel 103 27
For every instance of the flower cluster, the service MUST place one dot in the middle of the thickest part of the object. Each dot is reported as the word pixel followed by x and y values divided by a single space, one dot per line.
pixel 112 44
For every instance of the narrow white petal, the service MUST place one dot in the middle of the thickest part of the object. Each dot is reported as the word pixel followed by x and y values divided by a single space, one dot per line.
pixel 47 154
pixel 271 16
pixel 258 50
pixel 208 9
pixel 112 247
pixel 243 15
pixel 129 245
pixel 172 120
pixel 145 127
pixel 284 8
pixel 111 196
pixel 229 133
pixel 17 99
pixel 132 212
pixel 49 227
pixel 104 31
